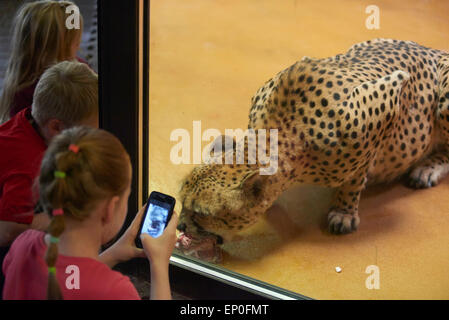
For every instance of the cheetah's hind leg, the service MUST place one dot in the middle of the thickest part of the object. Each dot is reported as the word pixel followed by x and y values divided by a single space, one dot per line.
pixel 432 170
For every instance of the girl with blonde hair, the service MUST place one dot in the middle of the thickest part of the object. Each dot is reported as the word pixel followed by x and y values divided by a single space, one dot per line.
pixel 84 185
pixel 40 39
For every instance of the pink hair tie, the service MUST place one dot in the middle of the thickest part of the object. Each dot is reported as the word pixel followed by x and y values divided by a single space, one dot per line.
pixel 74 148
pixel 58 212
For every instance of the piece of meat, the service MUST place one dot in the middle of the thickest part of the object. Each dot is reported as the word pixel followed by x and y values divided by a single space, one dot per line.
pixel 203 248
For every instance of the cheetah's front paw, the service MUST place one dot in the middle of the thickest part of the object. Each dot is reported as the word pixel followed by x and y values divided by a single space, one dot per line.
pixel 427 176
pixel 341 222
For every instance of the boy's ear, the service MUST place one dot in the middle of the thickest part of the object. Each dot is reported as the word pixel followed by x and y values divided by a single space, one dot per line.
pixel 53 127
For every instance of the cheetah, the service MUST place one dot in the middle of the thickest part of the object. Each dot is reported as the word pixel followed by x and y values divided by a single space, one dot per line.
pixel 369 116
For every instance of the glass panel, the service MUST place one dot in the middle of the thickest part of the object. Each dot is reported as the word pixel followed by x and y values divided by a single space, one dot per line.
pixel 208 59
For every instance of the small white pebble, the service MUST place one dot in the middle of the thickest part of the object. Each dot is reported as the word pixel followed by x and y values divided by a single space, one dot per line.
pixel 338 269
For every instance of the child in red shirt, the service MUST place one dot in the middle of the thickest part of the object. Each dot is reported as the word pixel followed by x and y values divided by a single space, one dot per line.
pixel 84 183
pixel 22 148
pixel 66 95
pixel 24 138
pixel 40 39
pixel 26 273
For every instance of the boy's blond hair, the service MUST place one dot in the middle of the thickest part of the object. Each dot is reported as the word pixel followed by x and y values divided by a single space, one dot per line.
pixel 40 39
pixel 68 91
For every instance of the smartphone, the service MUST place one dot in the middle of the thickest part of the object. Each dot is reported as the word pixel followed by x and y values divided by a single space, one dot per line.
pixel 157 215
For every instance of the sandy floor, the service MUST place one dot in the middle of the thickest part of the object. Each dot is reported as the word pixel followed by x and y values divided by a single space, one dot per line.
pixel 208 57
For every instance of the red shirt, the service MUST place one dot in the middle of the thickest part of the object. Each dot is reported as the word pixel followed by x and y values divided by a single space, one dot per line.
pixel 21 150
pixel 24 98
pixel 27 274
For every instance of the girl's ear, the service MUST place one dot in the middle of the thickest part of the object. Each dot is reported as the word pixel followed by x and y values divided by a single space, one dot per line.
pixel 110 209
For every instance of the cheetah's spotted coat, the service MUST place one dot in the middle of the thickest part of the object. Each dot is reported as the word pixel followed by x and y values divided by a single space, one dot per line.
pixel 367 116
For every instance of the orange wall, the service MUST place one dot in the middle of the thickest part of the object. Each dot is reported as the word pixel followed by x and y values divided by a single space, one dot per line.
pixel 207 59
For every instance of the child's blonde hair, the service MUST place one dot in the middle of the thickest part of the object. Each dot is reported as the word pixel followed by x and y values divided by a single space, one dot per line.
pixel 81 167
pixel 67 91
pixel 40 39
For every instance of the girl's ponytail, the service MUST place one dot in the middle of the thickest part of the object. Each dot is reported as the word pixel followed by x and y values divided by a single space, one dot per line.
pixel 56 228
pixel 81 167
pixel 58 190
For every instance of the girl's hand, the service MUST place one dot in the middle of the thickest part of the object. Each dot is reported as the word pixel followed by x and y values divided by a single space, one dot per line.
pixel 125 248
pixel 159 250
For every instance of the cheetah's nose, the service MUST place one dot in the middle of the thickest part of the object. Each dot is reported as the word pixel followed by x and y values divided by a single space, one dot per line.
pixel 181 227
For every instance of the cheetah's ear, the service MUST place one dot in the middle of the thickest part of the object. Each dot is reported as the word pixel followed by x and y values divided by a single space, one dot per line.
pixel 253 184
pixel 307 59
pixel 217 149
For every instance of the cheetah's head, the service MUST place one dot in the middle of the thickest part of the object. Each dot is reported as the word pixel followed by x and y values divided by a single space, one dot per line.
pixel 221 199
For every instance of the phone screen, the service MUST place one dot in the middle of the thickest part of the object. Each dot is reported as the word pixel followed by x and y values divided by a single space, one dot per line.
pixel 155 218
